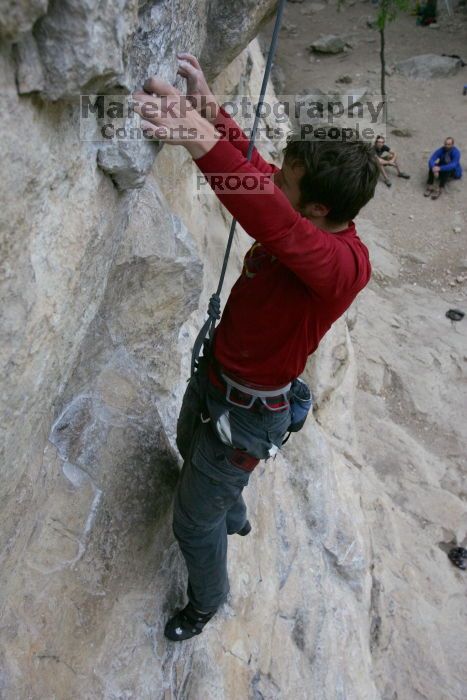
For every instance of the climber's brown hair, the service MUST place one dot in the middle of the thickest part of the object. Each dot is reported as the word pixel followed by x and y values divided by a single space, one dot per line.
pixel 339 173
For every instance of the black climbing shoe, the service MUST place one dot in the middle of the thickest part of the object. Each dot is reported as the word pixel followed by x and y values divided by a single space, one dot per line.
pixel 246 529
pixel 186 623
pixel 458 556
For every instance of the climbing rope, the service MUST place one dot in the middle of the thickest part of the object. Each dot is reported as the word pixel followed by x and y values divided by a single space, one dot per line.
pixel 214 307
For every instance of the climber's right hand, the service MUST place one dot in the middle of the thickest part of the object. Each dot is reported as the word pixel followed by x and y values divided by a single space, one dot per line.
pixel 165 116
pixel 197 92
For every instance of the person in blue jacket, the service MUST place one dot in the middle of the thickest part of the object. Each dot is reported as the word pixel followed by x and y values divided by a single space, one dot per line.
pixel 444 163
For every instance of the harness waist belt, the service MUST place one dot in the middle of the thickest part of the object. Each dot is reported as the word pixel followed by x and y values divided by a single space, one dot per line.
pixel 247 396
pixel 259 393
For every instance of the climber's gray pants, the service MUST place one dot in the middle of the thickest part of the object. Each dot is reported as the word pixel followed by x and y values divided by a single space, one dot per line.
pixel 208 502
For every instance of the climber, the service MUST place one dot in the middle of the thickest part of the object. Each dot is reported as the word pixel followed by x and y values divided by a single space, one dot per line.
pixel 304 270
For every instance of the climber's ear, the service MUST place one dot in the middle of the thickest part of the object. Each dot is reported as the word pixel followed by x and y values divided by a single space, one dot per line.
pixel 315 209
pixel 157 86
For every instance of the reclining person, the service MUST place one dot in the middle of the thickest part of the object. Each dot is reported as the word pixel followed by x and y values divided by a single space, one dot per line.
pixel 387 157
pixel 444 164
pixel 304 270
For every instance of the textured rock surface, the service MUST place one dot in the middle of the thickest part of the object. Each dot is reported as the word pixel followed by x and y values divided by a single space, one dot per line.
pixel 429 66
pixel 335 590
pixel 18 17
pixel 128 163
pixel 410 385
pixel 328 44
pixel 77 48
pixel 229 27
pixel 94 47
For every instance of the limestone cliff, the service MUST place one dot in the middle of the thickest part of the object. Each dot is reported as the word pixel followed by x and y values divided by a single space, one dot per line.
pixel 105 280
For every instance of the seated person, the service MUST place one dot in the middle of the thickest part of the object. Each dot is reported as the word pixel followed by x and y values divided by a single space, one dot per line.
pixel 444 163
pixel 427 13
pixel 387 157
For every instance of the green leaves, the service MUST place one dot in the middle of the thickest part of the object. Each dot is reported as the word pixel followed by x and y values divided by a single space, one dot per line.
pixel 388 11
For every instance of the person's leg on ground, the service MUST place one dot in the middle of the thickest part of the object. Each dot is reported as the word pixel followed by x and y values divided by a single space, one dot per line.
pixel 387 181
pixel 399 171
pixel 429 183
pixel 443 179
pixel 440 183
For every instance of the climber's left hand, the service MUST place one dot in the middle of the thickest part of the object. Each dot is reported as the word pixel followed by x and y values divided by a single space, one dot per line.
pixel 168 116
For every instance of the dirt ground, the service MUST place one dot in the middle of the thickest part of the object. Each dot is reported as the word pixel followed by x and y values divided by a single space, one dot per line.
pixel 418 227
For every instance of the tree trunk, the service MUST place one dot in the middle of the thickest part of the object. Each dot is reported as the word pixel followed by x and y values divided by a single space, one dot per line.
pixel 383 70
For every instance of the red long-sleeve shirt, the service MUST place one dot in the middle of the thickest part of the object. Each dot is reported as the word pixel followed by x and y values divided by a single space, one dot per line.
pixel 296 281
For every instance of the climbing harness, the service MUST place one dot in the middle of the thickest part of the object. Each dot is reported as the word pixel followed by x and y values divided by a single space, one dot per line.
pixel 214 307
pixel 253 394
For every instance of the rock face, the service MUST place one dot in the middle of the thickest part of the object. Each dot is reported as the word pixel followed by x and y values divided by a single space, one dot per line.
pixel 94 47
pixel 19 17
pixel 407 416
pixel 127 163
pixel 103 290
pixel 228 28
pixel 428 66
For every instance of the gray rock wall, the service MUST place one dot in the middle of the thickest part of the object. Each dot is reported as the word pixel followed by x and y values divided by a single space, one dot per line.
pixel 108 259
pixel 109 284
